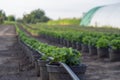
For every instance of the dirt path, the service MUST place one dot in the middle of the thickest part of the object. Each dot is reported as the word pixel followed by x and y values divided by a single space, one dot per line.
pixel 9 59
pixel 101 69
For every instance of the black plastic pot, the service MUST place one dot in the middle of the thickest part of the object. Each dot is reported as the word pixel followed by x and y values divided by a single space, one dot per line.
pixel 114 54
pixel 74 44
pixel 54 39
pixel 43 70
pixel 78 46
pixel 27 50
pixel 69 43
pixel 50 38
pixel 57 72
pixel 61 41
pixel 102 52
pixel 92 50
pixel 45 36
pixel 37 68
pixel 42 35
pixel 65 42
pixel 58 41
pixel 85 48
pixel 33 56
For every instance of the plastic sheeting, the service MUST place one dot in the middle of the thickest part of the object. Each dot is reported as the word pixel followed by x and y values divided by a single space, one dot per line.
pixel 88 16
pixel 105 16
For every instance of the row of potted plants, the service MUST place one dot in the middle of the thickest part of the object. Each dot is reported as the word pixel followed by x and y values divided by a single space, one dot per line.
pixel 104 47
pixel 66 55
pixel 71 28
pixel 61 31
pixel 86 39
pixel 100 42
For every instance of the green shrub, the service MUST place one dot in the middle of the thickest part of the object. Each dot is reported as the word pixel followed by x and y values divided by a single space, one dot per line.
pixel 93 41
pixel 66 55
pixel 102 43
pixel 115 44
pixel 86 40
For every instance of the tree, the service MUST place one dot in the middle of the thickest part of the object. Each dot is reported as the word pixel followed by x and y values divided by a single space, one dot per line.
pixel 35 17
pixel 2 16
pixel 27 18
pixel 11 18
pixel 44 19
pixel 19 20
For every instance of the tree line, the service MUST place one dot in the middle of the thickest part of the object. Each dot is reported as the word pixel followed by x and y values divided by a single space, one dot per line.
pixel 3 17
pixel 34 16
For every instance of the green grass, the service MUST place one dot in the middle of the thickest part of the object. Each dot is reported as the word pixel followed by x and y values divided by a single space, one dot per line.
pixel 9 22
pixel 73 21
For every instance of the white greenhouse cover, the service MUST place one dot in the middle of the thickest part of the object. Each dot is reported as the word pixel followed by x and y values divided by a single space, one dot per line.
pixel 106 16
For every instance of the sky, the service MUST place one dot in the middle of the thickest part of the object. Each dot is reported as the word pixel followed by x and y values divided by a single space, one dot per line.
pixel 53 8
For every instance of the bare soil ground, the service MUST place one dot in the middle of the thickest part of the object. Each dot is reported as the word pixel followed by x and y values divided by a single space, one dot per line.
pixel 10 57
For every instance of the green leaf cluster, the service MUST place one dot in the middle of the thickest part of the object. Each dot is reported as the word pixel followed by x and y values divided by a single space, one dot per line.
pixel 86 35
pixel 66 55
pixel 115 44
pixel 102 43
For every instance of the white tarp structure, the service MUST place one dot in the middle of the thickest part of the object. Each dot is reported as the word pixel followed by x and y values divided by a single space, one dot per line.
pixel 103 16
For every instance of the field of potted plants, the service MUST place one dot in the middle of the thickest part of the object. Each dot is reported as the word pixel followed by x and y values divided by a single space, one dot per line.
pixel 53 55
pixel 95 41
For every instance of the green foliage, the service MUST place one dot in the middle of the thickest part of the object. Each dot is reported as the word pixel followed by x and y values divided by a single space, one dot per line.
pixel 9 22
pixel 86 35
pixel 67 55
pixel 6 19
pixel 11 18
pixel 115 44
pixel 35 16
pixel 19 20
pixel 68 21
pixel 86 40
pixel 102 43
pixel 2 16
pixel 93 41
